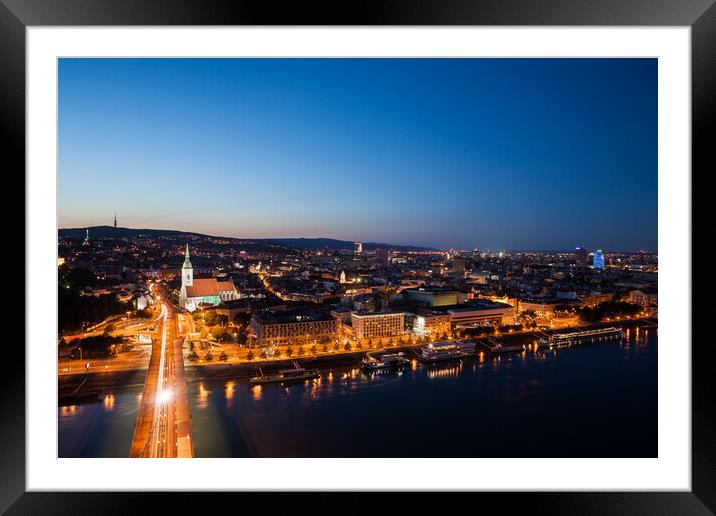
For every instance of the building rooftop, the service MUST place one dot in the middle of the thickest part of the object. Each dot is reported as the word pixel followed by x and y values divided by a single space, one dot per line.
pixel 472 305
pixel 368 313
pixel 292 316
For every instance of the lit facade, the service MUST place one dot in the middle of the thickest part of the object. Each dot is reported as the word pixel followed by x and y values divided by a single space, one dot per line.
pixel 432 324
pixel 199 292
pixel 644 297
pixel 540 308
pixel 377 325
pixel 598 260
pixel 277 328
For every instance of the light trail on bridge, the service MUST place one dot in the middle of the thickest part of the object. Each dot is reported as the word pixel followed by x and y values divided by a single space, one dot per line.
pixel 163 426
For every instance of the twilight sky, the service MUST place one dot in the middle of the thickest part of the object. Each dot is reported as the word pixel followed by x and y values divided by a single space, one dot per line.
pixel 540 154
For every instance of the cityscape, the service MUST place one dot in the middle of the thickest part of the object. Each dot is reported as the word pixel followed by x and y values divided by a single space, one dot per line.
pixel 206 341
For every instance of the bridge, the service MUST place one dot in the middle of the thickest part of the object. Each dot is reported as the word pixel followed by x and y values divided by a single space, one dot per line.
pixel 163 426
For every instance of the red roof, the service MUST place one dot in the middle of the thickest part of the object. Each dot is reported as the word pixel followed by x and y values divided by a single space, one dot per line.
pixel 204 287
pixel 226 285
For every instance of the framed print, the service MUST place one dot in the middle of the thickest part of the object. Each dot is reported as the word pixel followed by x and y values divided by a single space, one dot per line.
pixel 416 249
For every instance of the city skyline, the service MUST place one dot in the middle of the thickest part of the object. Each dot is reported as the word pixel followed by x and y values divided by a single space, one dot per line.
pixel 514 154
pixel 369 241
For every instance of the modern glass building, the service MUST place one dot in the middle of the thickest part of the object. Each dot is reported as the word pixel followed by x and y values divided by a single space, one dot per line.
pixel 598 262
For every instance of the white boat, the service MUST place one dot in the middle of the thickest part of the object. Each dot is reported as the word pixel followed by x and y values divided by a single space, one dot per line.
pixel 447 350
pixel 561 340
pixel 385 361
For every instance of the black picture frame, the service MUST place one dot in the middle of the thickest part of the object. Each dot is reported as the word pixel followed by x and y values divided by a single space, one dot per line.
pixel 700 15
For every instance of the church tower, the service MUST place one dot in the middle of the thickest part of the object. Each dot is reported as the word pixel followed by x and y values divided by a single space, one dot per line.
pixel 187 271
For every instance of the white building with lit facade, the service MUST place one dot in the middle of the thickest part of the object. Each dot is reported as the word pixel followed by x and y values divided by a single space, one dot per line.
pixel 198 293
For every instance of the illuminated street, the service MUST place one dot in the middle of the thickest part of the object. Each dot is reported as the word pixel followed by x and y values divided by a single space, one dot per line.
pixel 163 427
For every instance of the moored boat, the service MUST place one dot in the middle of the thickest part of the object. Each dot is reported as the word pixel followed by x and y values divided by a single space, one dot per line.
pixel 447 351
pixel 297 374
pixel 561 340
pixel 384 362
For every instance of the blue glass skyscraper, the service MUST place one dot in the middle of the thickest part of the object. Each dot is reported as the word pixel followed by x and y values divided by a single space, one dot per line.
pixel 598 262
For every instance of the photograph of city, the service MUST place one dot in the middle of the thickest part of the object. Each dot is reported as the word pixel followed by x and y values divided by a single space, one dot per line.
pixel 359 257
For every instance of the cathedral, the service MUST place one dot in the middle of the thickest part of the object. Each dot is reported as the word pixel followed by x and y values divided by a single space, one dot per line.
pixel 202 292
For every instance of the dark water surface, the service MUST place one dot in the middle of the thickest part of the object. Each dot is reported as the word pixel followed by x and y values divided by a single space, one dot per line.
pixel 590 401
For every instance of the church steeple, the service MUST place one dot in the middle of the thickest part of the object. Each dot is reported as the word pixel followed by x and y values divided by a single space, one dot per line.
pixel 187 263
pixel 187 271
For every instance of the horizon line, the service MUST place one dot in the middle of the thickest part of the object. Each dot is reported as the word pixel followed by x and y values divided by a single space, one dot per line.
pixel 363 241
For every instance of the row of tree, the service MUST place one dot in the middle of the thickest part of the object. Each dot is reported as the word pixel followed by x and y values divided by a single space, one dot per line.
pixel 608 309
pixel 100 346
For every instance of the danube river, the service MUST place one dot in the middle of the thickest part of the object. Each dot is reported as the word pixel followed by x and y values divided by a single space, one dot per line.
pixel 590 401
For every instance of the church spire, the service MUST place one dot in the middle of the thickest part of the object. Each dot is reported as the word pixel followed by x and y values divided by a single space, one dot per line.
pixel 187 273
pixel 187 263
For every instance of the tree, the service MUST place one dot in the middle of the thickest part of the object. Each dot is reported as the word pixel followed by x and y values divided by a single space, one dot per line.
pixel 223 357
pixel 301 351
pixel 214 319
pixel 220 335
pixel 193 357
pixel 250 356
pixel 347 346
pixel 314 349
pixel 289 352
pixel 325 347
pixel 608 309
pixel 208 357
pixel 75 309
pixel 242 320
pixel 337 346
pixel 101 346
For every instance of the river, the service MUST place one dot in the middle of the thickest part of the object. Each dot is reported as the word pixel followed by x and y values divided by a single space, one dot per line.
pixel 590 401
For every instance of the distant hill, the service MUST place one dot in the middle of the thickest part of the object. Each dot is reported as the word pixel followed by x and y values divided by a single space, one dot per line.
pixel 295 243
pixel 333 244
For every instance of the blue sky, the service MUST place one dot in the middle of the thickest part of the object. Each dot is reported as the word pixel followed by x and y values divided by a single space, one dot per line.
pixel 488 153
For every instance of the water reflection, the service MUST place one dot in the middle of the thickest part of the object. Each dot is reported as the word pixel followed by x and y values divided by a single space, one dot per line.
pixel 108 402
pixel 445 371
pixel 203 396
pixel 229 392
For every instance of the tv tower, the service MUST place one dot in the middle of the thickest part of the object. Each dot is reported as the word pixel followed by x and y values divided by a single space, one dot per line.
pixel 115 219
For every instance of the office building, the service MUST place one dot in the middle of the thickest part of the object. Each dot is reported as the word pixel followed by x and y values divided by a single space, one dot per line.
pixel 291 326
pixel 598 261
pixel 377 325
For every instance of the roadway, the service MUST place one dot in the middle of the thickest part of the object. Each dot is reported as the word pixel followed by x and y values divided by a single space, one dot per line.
pixel 163 425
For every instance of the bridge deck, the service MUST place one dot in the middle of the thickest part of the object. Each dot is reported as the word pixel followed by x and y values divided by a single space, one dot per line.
pixel 163 426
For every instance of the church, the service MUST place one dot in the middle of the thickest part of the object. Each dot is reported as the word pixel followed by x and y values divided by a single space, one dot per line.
pixel 202 292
